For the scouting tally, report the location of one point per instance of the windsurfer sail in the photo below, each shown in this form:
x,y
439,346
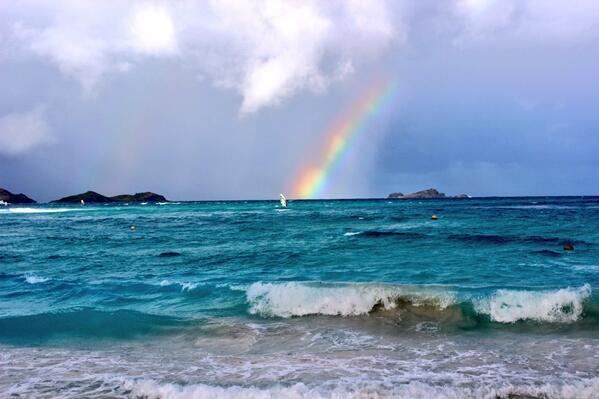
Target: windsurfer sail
x,y
283,200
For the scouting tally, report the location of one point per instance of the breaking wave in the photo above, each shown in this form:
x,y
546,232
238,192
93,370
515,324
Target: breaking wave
x,y
301,299
578,389
294,299
561,306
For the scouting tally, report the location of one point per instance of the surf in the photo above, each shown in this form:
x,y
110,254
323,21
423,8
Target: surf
x,y
503,306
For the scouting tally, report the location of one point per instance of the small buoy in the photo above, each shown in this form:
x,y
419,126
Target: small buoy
x,y
132,227
568,247
434,217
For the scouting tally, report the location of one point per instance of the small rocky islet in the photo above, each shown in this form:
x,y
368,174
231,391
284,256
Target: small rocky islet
x,y
430,193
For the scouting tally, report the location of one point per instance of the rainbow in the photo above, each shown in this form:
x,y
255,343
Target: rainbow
x,y
314,178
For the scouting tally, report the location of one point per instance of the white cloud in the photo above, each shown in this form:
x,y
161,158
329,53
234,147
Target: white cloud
x,y
270,50
88,39
265,50
153,30
532,21
20,132
83,58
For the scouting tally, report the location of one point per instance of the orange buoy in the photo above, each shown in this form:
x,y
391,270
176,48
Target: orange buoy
x,y
434,217
568,247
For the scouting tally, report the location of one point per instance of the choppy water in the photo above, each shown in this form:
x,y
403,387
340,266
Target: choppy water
x,y
324,299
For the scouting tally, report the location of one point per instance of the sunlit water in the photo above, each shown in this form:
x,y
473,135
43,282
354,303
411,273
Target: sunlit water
x,y
331,299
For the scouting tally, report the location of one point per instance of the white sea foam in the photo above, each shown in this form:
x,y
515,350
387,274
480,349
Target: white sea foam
x,y
233,287
584,389
560,306
300,299
185,286
38,210
33,279
352,233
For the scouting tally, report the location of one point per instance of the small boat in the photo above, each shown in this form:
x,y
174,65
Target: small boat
x,y
283,200
3,203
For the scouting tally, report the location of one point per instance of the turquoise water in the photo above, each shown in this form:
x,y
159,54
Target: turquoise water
x,y
321,299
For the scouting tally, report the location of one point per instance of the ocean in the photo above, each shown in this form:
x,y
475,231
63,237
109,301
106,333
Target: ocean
x,y
322,299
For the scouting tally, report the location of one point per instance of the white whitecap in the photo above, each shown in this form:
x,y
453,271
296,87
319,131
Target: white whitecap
x,y
185,286
33,279
188,286
38,210
559,306
299,298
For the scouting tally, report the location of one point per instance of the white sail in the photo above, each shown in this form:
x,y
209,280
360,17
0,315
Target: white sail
x,y
283,200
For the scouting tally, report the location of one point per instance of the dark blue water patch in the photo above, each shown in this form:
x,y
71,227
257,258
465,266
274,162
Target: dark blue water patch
x,y
14,294
10,258
483,238
5,276
388,233
169,254
510,239
548,253
85,323
397,218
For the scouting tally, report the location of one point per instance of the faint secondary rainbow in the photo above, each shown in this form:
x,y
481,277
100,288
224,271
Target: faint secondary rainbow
x,y
314,178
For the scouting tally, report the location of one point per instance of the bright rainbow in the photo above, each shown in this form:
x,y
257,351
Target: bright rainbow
x,y
313,179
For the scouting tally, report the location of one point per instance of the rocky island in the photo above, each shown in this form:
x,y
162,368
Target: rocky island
x,y
430,193
11,198
140,197
92,197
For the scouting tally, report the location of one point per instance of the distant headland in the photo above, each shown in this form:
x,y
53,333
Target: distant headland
x,y
92,197
424,194
8,197
89,197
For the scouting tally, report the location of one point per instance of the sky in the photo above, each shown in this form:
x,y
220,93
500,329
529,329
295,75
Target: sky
x,y
221,99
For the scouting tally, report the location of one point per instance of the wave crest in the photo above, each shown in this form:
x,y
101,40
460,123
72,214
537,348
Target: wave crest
x,y
291,299
33,279
301,299
561,306
185,286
